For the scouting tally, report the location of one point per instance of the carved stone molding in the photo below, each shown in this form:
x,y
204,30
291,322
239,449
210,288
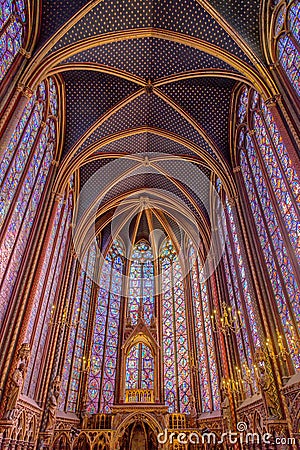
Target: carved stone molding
x,y
291,392
25,53
273,100
23,429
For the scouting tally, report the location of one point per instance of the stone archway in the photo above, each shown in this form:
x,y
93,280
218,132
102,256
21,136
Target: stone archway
x,y
137,431
82,443
138,437
62,443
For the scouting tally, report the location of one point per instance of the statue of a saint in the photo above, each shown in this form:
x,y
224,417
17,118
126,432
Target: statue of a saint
x,y
16,387
153,321
84,413
128,321
266,387
24,354
52,404
193,412
226,413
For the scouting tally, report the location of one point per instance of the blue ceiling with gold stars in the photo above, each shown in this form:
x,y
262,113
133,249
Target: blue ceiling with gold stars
x,y
186,17
150,76
89,95
149,58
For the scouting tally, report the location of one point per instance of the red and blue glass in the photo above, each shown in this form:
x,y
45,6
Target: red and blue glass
x,y
272,186
175,334
141,284
102,376
287,32
140,367
206,356
12,32
24,171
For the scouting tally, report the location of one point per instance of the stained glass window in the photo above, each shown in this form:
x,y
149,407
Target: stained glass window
x,y
287,33
273,189
102,376
13,28
243,280
140,368
77,362
240,298
206,357
46,294
175,336
141,290
24,171
243,103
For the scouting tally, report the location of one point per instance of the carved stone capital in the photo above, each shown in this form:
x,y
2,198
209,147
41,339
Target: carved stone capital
x,y
233,200
57,196
25,53
27,92
272,101
274,65
74,254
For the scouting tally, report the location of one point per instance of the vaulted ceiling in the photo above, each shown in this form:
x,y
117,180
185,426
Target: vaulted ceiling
x,y
147,77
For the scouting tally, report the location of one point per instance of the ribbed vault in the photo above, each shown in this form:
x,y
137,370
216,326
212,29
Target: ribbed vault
x,y
145,78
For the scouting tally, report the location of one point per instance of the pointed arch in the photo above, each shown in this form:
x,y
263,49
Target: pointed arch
x,y
141,283
285,43
177,372
105,341
26,171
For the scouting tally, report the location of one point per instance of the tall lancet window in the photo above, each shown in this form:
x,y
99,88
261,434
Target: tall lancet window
x,y
286,30
175,336
239,293
47,293
140,367
272,186
76,359
141,284
102,376
12,32
24,174
205,346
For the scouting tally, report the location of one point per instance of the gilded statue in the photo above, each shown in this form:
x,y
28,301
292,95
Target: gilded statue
x,y
17,381
84,413
266,386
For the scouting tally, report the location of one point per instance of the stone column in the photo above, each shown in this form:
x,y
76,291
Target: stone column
x,y
24,93
37,272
